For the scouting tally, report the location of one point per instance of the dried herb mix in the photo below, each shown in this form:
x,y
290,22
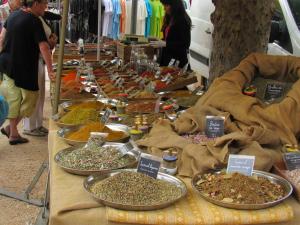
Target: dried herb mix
x,y
238,188
131,188
97,158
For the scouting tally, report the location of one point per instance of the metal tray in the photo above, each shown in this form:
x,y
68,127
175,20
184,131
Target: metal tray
x,y
91,180
57,158
63,132
271,177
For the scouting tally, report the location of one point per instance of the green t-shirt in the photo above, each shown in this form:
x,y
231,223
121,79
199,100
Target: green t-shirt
x,y
156,18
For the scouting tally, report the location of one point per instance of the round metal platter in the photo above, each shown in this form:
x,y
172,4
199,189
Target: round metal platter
x,y
271,177
95,178
58,159
64,132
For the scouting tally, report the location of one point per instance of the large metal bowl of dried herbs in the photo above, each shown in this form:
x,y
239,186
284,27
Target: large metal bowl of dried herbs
x,y
96,159
237,191
130,190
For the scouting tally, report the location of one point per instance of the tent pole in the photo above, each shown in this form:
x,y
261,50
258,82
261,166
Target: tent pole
x,y
60,55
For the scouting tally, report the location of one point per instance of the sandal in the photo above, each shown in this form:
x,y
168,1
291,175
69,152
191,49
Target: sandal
x,y
34,132
18,140
43,129
3,131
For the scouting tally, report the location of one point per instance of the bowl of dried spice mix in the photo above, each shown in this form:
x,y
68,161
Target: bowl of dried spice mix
x,y
76,117
79,135
96,159
237,191
129,190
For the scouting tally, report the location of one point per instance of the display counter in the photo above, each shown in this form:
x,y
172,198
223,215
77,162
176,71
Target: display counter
x,y
70,204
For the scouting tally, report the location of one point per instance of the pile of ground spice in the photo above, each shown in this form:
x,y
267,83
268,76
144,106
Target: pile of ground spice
x,y
83,133
238,188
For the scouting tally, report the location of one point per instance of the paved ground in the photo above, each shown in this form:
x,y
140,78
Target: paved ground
x,y
18,165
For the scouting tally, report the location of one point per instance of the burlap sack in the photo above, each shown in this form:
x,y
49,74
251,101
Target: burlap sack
x,y
251,127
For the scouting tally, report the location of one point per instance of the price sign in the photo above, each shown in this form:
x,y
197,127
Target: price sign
x,y
106,116
214,126
292,160
171,62
115,77
150,87
137,80
149,165
273,91
241,163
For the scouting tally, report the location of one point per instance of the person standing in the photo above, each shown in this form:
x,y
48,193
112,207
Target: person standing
x,y
176,30
33,125
6,9
21,41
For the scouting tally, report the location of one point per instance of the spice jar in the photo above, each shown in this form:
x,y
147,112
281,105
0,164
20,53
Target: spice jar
x,y
121,107
136,134
169,165
137,121
144,126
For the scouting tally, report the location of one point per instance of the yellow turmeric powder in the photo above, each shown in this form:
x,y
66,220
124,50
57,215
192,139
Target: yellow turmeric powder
x,y
83,133
80,116
90,104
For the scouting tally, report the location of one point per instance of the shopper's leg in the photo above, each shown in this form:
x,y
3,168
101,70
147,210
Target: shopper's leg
x,y
41,101
13,96
30,124
28,104
13,128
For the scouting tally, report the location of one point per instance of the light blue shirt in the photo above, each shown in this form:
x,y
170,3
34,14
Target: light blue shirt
x,y
148,19
116,19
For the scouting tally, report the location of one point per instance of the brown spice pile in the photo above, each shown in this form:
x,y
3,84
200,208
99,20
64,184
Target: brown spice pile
x,y
238,188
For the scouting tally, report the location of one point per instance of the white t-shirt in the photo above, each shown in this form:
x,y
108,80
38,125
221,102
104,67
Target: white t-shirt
x,y
141,17
107,17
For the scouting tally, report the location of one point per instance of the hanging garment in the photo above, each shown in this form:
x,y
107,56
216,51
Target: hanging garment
x,y
93,17
107,17
128,16
156,18
148,19
123,16
116,19
141,17
78,25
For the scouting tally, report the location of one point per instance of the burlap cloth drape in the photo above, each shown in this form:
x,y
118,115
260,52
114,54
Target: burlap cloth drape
x,y
251,127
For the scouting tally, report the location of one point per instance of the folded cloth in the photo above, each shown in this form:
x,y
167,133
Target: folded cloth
x,y
194,210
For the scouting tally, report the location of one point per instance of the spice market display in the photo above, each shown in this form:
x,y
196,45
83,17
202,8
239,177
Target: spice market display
x,y
153,112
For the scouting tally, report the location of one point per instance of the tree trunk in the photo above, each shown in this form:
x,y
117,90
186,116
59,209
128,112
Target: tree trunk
x,y
240,27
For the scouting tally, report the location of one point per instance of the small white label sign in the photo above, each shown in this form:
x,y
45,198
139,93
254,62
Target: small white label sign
x,y
241,163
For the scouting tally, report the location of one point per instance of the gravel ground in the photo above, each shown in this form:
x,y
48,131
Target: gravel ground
x,y
18,166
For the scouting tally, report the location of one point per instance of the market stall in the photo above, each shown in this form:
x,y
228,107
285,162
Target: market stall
x,y
71,204
200,147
